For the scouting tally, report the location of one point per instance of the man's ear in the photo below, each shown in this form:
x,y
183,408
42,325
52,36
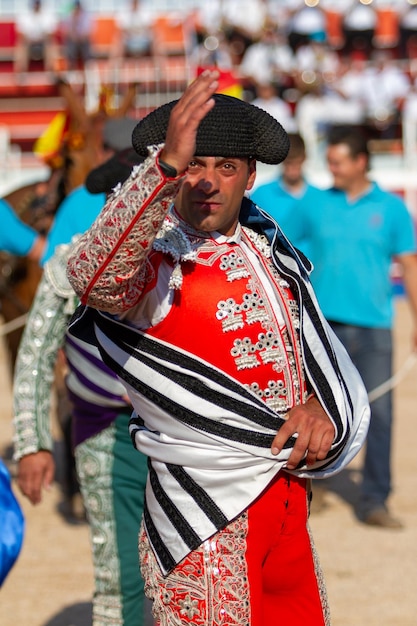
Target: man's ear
x,y
252,174
363,161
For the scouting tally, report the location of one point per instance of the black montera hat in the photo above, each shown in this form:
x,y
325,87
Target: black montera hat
x,y
232,128
105,177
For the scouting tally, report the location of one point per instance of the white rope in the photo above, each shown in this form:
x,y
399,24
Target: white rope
x,y
394,380
9,327
373,395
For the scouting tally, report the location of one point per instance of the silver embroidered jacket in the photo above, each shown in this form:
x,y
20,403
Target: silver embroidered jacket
x,y
44,334
93,388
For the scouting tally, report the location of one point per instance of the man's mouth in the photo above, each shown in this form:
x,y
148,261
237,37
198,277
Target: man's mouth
x,y
207,205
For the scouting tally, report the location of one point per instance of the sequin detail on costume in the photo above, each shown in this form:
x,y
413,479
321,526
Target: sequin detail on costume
x,y
259,241
171,240
94,465
272,347
208,588
274,396
234,266
320,581
229,313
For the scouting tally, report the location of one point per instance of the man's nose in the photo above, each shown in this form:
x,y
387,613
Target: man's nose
x,y
208,180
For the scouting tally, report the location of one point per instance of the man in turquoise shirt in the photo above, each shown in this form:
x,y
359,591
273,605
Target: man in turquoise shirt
x,y
353,232
16,237
279,196
75,214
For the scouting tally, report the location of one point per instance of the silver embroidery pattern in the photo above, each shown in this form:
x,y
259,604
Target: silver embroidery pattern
x,y
94,466
254,306
274,395
229,313
273,346
208,588
260,242
173,241
243,352
129,221
271,351
320,581
34,372
234,266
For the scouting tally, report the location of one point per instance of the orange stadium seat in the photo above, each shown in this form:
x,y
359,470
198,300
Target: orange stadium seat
x,y
170,36
334,30
104,36
387,31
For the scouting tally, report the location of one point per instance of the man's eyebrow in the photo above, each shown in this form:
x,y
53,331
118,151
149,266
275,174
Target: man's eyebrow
x,y
220,159
229,158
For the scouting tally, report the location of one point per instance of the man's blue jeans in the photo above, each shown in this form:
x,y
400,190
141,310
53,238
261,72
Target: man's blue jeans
x,y
371,351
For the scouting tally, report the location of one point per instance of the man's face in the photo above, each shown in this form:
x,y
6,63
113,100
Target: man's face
x,y
210,196
292,170
345,168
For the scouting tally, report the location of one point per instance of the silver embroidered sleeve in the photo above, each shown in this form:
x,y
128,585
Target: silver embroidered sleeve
x,y
108,268
34,373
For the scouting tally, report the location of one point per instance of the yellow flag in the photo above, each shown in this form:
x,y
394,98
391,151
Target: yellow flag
x,y
49,144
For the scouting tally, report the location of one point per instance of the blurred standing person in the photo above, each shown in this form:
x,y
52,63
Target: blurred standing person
x,y
359,28
352,85
135,30
380,88
76,31
243,21
74,215
279,197
268,60
35,30
267,98
354,231
209,18
112,475
306,23
386,87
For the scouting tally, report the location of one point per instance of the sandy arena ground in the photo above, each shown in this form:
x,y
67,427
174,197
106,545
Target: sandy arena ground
x,y
371,573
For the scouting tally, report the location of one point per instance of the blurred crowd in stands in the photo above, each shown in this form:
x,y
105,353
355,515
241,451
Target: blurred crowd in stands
x,y
312,63
307,62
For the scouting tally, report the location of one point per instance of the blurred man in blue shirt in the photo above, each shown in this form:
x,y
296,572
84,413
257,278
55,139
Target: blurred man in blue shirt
x,y
280,196
353,232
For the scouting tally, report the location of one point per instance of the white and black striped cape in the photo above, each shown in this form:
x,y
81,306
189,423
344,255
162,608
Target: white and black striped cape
x,y
208,438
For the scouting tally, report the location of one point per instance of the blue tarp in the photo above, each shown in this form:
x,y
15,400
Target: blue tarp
x,y
12,524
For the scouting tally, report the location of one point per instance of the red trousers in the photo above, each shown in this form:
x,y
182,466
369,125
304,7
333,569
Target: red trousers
x,y
261,570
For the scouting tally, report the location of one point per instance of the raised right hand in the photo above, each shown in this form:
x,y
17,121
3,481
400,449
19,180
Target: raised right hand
x,y
185,119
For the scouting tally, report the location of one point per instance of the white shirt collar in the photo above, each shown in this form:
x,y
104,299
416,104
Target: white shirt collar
x,y
235,238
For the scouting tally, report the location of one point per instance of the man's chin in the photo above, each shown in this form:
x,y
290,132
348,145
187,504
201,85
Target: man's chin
x,y
204,225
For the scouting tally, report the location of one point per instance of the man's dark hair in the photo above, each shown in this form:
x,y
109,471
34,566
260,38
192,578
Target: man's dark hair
x,y
350,136
297,146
